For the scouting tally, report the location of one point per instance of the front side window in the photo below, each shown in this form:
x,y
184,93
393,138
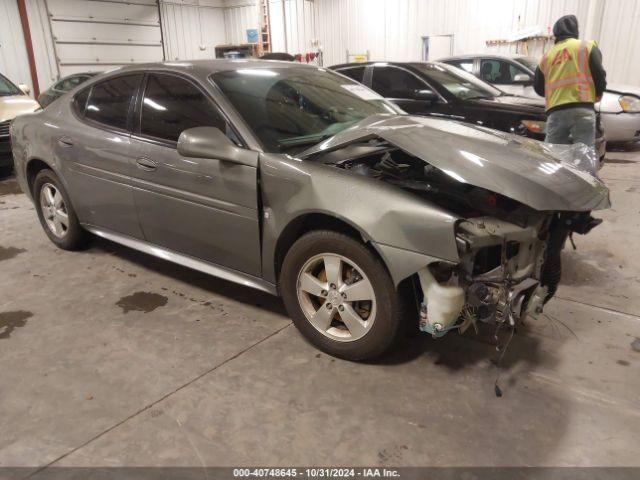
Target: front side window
x,y
498,71
391,82
294,107
172,105
110,100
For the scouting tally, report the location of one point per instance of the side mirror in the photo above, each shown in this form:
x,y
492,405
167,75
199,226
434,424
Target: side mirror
x,y
522,79
210,142
425,95
25,88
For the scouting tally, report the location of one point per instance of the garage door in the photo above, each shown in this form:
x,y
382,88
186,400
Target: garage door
x,y
97,35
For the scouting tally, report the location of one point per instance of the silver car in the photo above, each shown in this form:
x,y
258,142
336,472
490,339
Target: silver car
x,y
619,108
298,181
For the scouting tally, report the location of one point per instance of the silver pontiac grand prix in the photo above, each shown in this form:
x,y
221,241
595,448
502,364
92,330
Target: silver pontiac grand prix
x,y
298,181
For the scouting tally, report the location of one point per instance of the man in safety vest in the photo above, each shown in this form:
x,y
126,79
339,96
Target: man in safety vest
x,y
571,78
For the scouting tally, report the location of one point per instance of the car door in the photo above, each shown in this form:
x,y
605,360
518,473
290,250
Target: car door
x,y
94,147
204,208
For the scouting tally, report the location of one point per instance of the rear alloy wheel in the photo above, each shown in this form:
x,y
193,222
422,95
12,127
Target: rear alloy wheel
x,y
56,213
340,296
54,210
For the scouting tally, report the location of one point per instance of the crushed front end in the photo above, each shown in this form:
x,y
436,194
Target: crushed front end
x,y
506,272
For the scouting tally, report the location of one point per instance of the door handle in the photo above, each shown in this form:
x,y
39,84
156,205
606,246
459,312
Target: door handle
x,y
65,142
146,164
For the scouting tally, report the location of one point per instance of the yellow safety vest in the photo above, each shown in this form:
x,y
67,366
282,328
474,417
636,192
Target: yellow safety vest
x,y
567,75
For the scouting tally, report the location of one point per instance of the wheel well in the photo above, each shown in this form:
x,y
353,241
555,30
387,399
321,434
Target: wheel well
x,y
34,167
308,223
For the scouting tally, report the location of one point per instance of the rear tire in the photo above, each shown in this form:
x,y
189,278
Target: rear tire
x,y
56,213
340,296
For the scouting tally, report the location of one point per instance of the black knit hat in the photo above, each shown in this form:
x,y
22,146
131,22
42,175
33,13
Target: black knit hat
x,y
566,27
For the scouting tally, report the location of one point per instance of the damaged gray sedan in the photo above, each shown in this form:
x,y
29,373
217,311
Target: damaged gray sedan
x,y
300,182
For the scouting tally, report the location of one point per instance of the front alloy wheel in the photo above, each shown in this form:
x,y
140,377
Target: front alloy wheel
x,y
336,297
340,295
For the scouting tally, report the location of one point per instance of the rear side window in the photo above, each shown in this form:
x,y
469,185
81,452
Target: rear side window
x,y
80,101
356,73
109,101
172,104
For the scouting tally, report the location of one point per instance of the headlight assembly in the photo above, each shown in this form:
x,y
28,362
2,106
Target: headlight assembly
x,y
629,103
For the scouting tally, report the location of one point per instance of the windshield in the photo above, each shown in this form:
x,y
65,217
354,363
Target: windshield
x,y
529,62
7,88
457,82
292,108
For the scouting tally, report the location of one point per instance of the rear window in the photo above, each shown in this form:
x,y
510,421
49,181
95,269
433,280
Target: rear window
x,y
109,101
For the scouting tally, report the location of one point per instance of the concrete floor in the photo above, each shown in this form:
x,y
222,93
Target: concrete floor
x,y
109,357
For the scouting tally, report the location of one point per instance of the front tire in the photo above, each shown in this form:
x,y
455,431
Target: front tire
x,y
56,214
340,296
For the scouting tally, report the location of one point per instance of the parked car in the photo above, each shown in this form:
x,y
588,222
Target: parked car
x,y
298,181
63,86
438,89
619,108
14,101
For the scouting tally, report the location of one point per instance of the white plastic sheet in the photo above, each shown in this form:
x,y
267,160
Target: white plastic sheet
x,y
578,155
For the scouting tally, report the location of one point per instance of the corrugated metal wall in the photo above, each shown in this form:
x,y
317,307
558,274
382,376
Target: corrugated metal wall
x,y
620,41
238,19
191,31
389,29
13,54
393,29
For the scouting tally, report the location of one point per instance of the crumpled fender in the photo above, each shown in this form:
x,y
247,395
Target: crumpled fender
x,y
408,232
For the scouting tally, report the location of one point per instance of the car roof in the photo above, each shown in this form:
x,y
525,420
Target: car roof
x,y
397,64
207,67
483,55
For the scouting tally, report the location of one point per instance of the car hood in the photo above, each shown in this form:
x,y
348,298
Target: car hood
x,y
513,166
624,89
14,105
